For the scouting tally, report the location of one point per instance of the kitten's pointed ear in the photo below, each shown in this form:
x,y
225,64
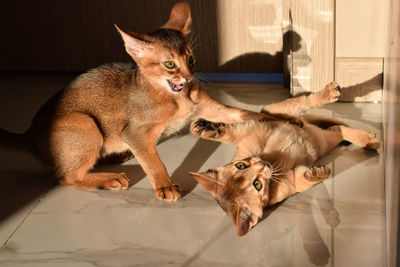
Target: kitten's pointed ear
x,y
207,179
135,45
245,220
180,18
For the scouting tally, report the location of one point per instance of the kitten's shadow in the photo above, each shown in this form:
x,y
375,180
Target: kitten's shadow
x,y
135,173
193,161
317,251
315,247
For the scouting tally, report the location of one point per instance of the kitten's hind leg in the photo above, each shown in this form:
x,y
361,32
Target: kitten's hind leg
x,y
299,105
75,144
361,138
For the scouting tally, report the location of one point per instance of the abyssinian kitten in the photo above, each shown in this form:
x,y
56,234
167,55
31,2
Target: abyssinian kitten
x,y
274,160
119,111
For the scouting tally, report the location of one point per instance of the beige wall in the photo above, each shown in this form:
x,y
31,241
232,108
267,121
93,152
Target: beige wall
x,y
392,130
342,40
74,35
249,35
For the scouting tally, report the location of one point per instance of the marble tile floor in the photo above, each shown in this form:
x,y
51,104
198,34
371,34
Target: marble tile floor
x,y
340,222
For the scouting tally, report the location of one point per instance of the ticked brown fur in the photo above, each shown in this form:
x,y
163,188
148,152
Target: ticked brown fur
x,y
119,111
278,157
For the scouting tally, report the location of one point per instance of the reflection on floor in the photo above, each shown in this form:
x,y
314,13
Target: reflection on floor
x,y
340,222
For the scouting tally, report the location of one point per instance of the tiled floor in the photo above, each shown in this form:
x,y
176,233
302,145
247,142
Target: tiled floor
x,y
340,222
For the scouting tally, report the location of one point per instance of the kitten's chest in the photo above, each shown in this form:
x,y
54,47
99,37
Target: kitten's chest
x,y
172,112
292,142
183,111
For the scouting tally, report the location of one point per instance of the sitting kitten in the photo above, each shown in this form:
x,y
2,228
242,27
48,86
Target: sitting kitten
x,y
274,160
117,111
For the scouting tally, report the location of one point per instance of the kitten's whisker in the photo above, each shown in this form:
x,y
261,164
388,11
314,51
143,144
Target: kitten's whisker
x,y
199,79
284,182
277,170
280,174
281,164
279,167
193,41
280,171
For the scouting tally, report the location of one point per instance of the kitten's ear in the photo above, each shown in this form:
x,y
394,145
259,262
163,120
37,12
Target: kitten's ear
x,y
180,18
135,45
245,220
207,179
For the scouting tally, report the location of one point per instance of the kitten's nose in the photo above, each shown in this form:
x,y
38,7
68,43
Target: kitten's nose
x,y
264,168
267,171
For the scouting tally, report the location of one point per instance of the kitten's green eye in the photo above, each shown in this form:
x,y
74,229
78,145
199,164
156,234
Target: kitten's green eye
x,y
257,184
169,64
241,165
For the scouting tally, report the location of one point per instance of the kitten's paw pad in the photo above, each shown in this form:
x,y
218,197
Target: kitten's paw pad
x,y
116,181
207,129
330,93
169,193
317,173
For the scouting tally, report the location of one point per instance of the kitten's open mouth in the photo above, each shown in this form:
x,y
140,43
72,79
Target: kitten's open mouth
x,y
175,87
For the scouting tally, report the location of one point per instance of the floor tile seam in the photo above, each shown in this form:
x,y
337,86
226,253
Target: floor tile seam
x,y
24,219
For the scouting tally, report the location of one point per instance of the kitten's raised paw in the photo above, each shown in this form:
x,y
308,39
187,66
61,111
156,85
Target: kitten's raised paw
x,y
317,173
169,193
330,93
207,129
116,181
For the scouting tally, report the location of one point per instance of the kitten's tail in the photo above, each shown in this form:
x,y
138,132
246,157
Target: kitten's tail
x,y
13,141
322,122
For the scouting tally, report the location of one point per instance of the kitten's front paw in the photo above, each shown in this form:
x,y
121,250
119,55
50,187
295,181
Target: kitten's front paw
x,y
169,193
207,129
116,181
317,173
330,93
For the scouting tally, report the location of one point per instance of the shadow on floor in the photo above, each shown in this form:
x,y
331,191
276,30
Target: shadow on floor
x,y
19,188
193,161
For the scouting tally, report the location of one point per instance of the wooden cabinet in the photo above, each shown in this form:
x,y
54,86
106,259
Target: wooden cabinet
x,y
360,47
340,40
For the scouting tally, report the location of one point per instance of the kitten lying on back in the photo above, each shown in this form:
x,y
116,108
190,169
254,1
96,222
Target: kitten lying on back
x,y
273,160
116,111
